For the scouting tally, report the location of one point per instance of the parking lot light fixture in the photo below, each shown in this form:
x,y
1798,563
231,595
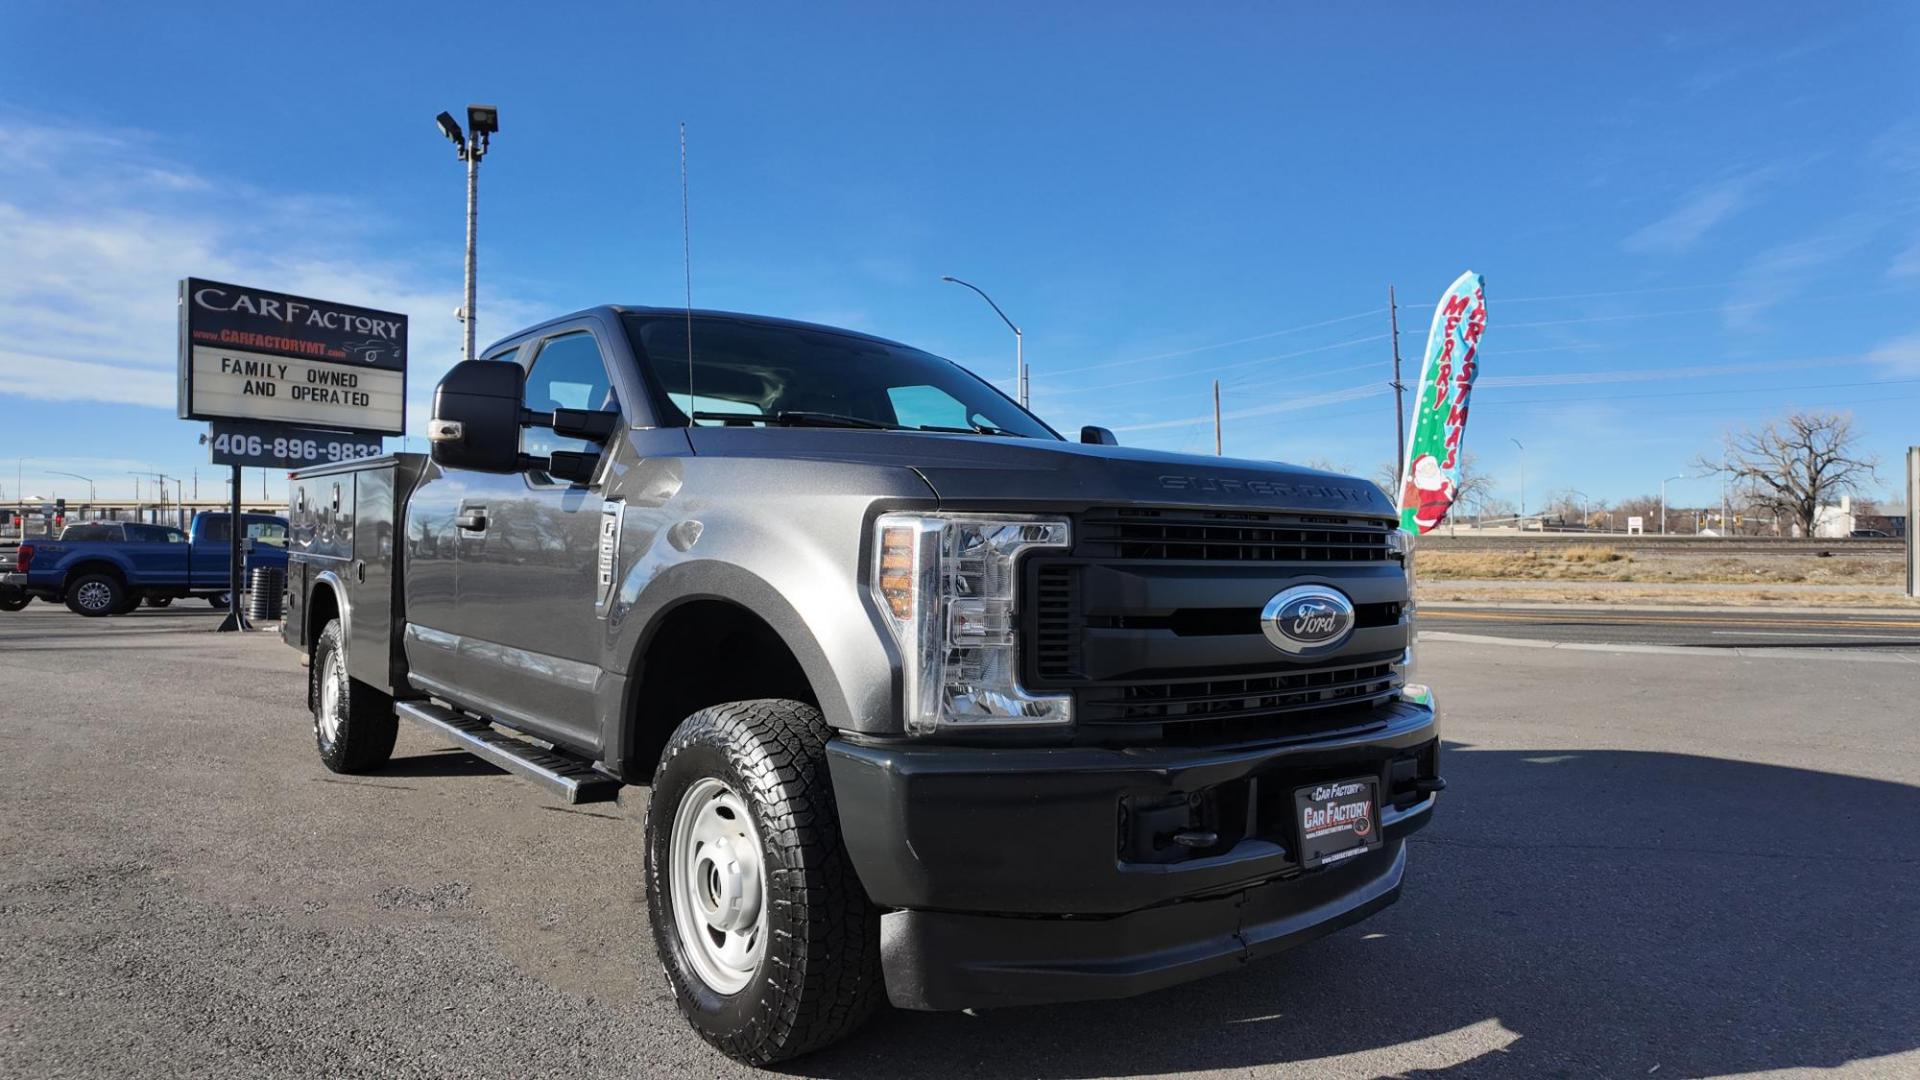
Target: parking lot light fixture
x,y
1663,500
482,122
1019,358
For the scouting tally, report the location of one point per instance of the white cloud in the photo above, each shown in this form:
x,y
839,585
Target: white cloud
x,y
1899,357
97,228
1698,214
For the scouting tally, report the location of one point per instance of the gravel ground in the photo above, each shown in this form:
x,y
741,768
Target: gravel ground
x,y
1647,864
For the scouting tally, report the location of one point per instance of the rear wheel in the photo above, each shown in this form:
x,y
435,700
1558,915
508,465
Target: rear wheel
x,y
758,918
94,595
14,601
353,724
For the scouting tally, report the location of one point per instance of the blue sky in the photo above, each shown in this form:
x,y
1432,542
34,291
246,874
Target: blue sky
x,y
1689,216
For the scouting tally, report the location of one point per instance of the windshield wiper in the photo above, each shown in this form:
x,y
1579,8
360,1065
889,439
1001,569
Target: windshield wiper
x,y
974,429
797,418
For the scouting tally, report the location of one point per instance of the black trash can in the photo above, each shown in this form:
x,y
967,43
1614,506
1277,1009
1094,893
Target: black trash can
x,y
264,596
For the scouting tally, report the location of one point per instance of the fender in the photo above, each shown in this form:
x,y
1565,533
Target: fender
x,y
636,619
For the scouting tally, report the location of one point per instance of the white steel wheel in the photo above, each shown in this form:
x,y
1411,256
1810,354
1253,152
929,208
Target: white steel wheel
x,y
332,677
715,873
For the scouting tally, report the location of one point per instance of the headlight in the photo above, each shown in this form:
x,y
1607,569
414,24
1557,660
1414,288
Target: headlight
x,y
946,586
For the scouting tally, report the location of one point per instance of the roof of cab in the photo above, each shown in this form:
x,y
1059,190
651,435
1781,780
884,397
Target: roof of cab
x,y
614,311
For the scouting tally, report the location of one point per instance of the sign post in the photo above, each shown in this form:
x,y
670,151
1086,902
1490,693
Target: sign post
x,y
287,381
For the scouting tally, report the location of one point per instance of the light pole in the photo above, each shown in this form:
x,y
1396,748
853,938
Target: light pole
x,y
1019,357
77,476
482,122
1663,500
1523,480
1586,507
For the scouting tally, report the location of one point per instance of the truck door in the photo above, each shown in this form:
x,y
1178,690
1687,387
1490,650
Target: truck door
x,y
527,578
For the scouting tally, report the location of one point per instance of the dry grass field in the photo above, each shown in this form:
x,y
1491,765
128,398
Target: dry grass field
x,y
1595,562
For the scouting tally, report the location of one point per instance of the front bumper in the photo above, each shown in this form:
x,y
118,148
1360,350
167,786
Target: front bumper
x,y
1024,875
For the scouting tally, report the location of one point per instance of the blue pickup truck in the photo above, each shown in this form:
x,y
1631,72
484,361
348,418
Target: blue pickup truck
x,y
108,568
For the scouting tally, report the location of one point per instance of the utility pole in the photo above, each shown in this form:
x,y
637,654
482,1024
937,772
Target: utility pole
x,y
1399,398
1216,418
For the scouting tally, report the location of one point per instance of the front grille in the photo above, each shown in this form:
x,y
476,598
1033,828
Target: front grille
x,y
1230,536
1242,698
1056,606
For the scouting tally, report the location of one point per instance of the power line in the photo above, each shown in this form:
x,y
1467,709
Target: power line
x,y
1222,344
1224,367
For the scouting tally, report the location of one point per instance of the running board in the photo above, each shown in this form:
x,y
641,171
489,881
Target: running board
x,y
567,777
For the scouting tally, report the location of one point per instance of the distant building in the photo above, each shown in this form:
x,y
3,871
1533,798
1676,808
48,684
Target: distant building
x,y
1834,522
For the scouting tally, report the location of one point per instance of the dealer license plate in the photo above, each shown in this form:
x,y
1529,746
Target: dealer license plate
x,y
1338,820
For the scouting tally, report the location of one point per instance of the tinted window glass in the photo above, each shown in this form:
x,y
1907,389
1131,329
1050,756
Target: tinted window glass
x,y
151,534
91,532
210,529
266,532
755,368
568,373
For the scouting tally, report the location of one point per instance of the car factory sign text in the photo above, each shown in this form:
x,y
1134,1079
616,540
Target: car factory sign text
x,y
251,354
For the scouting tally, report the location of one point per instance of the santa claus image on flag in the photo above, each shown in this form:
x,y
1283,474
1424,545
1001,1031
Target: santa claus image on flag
x,y
1427,492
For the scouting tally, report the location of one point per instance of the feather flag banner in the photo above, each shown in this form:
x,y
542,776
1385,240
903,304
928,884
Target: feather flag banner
x,y
1430,476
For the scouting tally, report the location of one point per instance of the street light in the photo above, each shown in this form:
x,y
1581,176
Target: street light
x,y
482,122
76,476
1019,357
1523,480
1663,500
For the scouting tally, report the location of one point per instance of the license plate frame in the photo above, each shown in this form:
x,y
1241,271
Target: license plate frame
x,y
1337,820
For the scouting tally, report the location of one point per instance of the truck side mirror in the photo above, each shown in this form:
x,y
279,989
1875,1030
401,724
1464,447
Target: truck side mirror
x,y
1098,436
476,417
589,424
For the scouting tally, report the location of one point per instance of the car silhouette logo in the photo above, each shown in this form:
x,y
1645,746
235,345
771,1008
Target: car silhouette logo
x,y
1308,620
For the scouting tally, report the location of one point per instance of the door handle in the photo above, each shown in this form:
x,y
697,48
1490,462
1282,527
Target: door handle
x,y
472,519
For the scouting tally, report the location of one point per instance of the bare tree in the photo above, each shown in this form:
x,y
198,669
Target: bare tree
x,y
1792,465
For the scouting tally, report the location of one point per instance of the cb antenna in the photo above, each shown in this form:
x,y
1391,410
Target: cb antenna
x,y
686,257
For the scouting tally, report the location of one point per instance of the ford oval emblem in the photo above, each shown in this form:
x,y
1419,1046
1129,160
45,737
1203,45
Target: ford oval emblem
x,y
1308,620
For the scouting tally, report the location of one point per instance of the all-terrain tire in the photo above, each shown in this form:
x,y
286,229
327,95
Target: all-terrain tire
x,y
819,974
353,724
94,595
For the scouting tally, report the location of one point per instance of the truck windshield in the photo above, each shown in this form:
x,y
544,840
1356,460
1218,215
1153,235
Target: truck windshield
x,y
762,374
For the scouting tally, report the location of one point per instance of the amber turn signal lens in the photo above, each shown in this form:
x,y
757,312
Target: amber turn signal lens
x,y
896,570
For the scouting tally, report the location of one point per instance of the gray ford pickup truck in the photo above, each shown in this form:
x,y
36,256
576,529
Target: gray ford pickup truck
x,y
928,702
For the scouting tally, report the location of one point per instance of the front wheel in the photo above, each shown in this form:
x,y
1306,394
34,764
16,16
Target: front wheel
x,y
220,602
94,595
764,930
157,601
354,725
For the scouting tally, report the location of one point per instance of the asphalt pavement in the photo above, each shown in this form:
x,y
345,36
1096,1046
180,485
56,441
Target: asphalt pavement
x,y
1647,864
1722,628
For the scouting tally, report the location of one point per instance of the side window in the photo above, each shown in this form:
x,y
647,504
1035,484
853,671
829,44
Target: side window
x,y
926,406
267,532
212,530
568,373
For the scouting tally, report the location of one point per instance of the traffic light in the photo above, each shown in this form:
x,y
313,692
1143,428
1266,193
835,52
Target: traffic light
x,y
60,507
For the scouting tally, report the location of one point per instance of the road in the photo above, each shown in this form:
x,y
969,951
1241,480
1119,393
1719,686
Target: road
x,y
1720,628
1647,864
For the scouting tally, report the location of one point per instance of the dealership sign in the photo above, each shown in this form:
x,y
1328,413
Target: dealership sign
x,y
251,354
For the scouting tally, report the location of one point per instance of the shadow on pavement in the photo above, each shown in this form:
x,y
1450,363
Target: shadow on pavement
x,y
449,762
1568,913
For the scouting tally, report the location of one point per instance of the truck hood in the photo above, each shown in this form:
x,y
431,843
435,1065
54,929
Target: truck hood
x,y
993,470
